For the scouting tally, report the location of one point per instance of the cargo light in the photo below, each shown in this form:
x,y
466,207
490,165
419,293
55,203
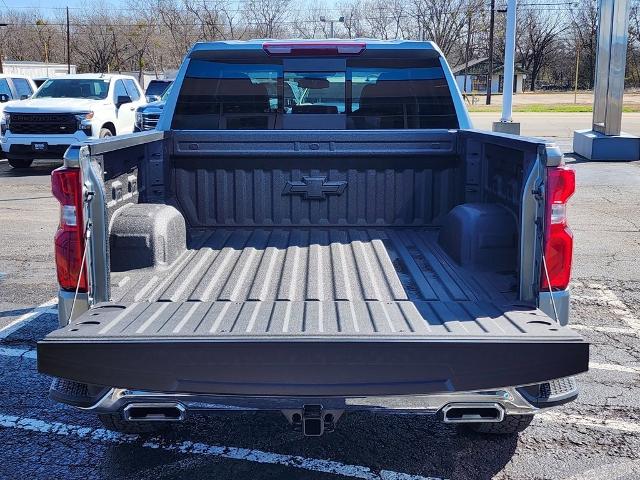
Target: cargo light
x,y
314,48
558,239
69,239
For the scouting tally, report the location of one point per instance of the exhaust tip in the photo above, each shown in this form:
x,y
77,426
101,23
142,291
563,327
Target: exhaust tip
x,y
154,412
473,413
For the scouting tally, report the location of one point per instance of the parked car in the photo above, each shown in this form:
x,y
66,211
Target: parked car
x,y
345,242
156,89
66,110
147,116
14,88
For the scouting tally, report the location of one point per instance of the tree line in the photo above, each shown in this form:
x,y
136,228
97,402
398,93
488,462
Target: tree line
x,y
553,37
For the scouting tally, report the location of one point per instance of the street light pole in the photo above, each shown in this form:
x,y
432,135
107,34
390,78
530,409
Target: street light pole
x,y
331,22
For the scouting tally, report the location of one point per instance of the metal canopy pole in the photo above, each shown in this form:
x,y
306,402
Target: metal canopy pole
x,y
506,123
613,24
509,59
605,141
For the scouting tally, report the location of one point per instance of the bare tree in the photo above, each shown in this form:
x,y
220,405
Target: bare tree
x,y
441,21
266,17
353,13
537,34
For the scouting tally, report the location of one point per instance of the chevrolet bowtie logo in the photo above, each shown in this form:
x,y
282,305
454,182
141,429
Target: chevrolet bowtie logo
x,y
314,188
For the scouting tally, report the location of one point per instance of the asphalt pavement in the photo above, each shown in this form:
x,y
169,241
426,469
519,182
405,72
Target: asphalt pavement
x,y
598,436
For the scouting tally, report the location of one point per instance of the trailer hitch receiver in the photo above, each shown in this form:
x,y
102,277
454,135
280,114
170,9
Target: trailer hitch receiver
x,y
313,420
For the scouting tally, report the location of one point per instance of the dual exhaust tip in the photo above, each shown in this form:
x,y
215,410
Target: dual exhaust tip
x,y
451,413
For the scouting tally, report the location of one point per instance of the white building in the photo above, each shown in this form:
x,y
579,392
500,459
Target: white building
x,y
35,69
477,77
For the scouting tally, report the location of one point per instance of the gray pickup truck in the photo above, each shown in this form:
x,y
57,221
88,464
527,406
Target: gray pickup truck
x,y
314,229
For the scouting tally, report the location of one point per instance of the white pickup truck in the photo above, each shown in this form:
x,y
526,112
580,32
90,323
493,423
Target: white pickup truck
x,y
67,110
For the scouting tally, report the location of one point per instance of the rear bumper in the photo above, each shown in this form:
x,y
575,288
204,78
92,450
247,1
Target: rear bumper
x,y
511,399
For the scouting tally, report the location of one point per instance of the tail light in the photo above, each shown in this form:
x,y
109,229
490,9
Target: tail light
x,y
558,239
310,48
69,239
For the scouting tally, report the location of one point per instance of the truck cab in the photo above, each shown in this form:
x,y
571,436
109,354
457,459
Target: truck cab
x,y
66,110
314,228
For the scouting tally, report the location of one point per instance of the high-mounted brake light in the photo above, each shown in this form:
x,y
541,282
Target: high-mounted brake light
x,y
314,48
558,239
69,239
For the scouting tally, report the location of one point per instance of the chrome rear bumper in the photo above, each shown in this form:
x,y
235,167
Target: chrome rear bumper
x,y
116,399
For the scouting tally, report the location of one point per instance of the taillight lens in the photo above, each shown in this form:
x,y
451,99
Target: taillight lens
x,y
69,239
558,239
314,48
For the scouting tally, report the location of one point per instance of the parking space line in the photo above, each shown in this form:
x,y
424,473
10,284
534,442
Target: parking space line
x,y
28,317
627,469
619,308
614,368
18,352
586,421
197,448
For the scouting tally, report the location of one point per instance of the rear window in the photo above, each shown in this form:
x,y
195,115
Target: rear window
x,y
157,87
363,94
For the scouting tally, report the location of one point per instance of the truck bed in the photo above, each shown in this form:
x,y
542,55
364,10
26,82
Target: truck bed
x,y
318,311
314,264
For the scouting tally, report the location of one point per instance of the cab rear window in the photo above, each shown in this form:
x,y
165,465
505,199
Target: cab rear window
x,y
364,94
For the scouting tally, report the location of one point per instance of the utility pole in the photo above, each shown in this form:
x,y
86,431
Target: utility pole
x,y
491,27
575,85
466,54
68,44
1,51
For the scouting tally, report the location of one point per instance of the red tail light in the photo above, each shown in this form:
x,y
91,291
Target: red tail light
x,y
69,239
558,239
314,48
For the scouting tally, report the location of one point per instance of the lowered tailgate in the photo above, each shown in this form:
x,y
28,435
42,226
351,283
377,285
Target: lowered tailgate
x,y
312,348
336,312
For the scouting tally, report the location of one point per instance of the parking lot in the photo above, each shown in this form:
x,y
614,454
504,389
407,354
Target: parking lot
x,y
598,436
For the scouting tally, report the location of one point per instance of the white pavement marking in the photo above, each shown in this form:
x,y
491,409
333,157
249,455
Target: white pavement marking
x,y
586,421
614,368
196,448
17,352
610,471
619,308
617,330
28,317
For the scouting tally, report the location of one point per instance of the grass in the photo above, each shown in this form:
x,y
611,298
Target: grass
x,y
547,108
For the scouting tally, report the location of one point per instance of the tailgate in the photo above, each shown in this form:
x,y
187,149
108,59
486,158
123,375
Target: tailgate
x,y
316,348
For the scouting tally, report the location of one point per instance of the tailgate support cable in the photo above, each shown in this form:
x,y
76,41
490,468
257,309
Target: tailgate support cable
x,y
553,302
87,235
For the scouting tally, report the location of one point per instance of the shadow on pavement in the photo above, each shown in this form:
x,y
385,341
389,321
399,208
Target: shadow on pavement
x,y
414,445
37,169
